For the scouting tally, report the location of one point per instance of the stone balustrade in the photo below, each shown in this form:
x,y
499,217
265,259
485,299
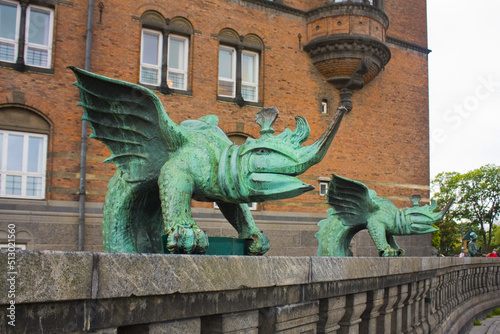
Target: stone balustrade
x,y
75,292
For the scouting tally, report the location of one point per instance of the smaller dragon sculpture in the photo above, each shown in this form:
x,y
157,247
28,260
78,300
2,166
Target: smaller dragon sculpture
x,y
354,207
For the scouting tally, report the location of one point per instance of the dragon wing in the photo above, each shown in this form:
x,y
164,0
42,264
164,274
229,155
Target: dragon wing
x,y
350,200
131,121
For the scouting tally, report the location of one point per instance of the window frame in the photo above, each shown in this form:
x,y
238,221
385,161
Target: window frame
x,y
255,84
239,84
28,44
24,173
322,184
158,66
163,56
184,70
15,41
232,80
22,34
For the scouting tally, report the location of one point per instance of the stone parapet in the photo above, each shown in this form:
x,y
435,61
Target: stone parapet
x,y
72,292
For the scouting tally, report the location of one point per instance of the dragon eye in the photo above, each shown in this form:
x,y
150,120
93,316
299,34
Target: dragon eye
x,y
262,151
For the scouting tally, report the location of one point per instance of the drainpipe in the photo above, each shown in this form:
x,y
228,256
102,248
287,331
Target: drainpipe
x,y
83,158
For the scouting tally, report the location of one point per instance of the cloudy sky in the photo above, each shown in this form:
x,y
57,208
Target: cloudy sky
x,y
464,82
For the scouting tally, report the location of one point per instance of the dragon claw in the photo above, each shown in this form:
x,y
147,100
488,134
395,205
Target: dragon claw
x,y
391,252
260,244
186,240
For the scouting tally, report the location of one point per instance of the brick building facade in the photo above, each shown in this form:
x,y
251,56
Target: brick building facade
x,y
189,52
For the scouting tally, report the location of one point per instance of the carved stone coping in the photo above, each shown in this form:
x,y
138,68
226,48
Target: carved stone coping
x,y
347,45
44,276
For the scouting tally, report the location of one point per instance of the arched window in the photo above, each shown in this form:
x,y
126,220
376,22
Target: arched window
x,y
239,67
23,153
165,47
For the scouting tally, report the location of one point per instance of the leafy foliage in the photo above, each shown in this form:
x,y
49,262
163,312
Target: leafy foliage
x,y
477,204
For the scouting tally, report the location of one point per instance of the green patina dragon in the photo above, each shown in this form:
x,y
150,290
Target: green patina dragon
x,y
163,165
354,207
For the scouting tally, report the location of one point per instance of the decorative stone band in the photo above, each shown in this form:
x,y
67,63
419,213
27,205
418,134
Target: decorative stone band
x,y
402,224
353,8
345,45
232,186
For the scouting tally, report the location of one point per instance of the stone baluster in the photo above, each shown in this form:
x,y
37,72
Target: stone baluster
x,y
425,307
384,321
432,302
440,299
407,311
475,282
397,326
331,311
417,305
484,280
447,294
374,301
294,318
496,278
490,279
355,305
466,284
460,286
241,322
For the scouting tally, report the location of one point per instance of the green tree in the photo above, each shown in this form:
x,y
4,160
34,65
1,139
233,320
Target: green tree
x,y
477,199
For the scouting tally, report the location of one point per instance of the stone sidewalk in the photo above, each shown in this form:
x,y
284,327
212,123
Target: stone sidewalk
x,y
488,326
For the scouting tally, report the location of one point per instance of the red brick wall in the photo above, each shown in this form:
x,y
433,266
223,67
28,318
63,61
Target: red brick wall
x,y
383,141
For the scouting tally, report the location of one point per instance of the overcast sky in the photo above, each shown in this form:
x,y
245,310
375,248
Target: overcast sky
x,y
464,84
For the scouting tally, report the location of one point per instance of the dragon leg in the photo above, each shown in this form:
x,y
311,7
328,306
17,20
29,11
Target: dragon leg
x,y
377,230
392,242
334,238
131,217
183,235
240,217
117,230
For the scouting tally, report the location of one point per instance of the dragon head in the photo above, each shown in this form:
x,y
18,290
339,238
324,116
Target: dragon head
x,y
266,168
419,219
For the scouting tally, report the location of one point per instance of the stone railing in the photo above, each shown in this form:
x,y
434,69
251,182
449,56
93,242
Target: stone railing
x,y
73,292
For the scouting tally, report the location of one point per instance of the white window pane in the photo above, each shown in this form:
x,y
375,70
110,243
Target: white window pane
x,y
33,186
35,152
226,63
150,48
176,54
39,27
248,68
226,88
13,185
8,20
248,93
37,57
15,153
149,76
175,80
7,51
